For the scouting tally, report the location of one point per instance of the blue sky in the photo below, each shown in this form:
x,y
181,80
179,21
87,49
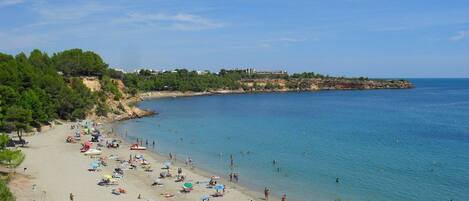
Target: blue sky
x,y
375,38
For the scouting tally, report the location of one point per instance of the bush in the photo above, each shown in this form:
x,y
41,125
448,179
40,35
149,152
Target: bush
x,y
102,110
5,194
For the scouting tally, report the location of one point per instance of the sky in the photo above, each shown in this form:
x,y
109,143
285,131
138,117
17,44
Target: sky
x,y
373,38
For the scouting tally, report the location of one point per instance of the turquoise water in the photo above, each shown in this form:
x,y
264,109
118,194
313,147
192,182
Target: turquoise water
x,y
388,145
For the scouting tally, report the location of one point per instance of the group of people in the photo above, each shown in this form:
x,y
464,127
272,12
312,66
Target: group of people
x,y
267,193
234,176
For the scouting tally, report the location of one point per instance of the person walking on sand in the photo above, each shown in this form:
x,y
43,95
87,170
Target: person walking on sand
x,y
284,197
266,193
170,156
71,197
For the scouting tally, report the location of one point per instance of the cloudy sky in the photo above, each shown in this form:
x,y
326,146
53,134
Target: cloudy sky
x,y
375,38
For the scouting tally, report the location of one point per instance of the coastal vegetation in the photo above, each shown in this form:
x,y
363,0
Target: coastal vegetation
x,y
5,194
178,80
10,159
36,89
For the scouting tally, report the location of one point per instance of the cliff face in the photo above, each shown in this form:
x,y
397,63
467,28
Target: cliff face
x,y
120,109
315,84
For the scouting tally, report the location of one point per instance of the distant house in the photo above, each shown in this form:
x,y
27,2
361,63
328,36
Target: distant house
x,y
202,72
146,70
120,70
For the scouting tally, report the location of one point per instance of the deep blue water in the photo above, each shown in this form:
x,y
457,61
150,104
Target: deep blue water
x,y
384,145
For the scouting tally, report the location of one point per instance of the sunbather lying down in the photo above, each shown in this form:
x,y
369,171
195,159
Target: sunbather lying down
x,y
157,182
218,194
167,195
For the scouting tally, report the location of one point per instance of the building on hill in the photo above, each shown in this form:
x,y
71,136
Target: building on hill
x,y
276,72
248,71
202,72
253,71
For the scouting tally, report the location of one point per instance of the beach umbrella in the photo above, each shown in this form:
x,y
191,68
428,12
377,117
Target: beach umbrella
x,y
167,163
204,197
219,187
94,165
187,185
106,176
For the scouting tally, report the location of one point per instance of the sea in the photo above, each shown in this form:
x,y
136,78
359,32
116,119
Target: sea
x,y
354,145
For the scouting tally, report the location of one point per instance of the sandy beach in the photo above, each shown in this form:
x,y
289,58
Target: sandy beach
x,y
54,169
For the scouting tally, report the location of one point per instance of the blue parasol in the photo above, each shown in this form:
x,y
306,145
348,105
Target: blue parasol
x,y
219,187
94,165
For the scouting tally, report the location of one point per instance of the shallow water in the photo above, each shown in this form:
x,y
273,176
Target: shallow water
x,y
388,145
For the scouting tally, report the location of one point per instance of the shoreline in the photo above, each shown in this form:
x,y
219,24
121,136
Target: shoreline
x,y
176,94
196,170
55,168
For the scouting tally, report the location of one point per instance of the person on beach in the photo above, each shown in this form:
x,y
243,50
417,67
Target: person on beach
x,y
71,197
266,193
179,170
284,197
337,180
231,177
236,177
274,162
231,161
146,143
189,161
153,144
170,156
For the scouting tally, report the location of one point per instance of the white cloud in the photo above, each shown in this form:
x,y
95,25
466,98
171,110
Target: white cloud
x,y
461,35
65,13
4,3
181,21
